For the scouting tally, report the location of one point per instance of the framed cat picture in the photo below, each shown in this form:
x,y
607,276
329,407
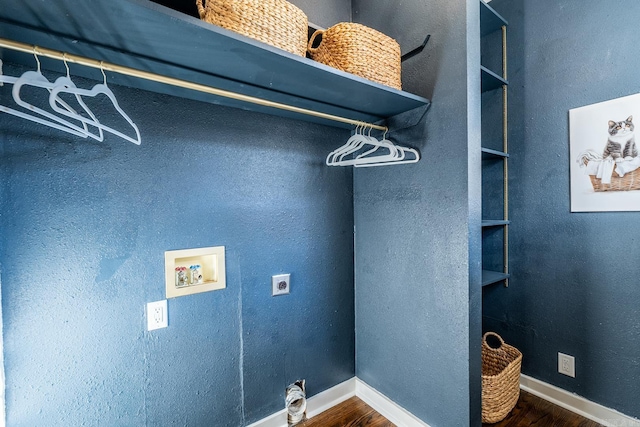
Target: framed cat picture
x,y
605,166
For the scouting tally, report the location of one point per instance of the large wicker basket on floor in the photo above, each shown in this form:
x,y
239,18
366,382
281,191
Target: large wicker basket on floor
x,y
359,50
275,22
500,379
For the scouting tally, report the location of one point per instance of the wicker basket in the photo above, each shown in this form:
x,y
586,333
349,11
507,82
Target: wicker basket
x,y
275,22
359,50
500,379
630,181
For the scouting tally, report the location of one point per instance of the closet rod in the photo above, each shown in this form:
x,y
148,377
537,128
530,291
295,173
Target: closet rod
x,y
87,62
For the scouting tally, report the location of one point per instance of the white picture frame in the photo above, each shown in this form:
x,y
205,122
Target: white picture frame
x,y
589,132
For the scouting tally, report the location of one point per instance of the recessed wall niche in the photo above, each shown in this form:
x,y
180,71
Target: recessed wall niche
x,y
191,271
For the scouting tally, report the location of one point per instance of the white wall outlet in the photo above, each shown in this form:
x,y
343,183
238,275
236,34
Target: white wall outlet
x,y
567,365
157,315
280,284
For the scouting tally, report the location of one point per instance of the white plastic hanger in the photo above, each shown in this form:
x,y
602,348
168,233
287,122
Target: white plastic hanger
x,y
353,140
37,79
36,119
365,160
392,154
356,142
395,154
372,161
98,89
364,140
54,99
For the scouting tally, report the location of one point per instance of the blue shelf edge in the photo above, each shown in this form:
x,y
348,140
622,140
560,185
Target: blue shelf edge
x,y
490,80
495,222
495,153
490,277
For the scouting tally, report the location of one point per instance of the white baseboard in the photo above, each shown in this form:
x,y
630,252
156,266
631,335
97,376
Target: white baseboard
x,y
579,405
330,398
403,418
341,392
386,407
315,404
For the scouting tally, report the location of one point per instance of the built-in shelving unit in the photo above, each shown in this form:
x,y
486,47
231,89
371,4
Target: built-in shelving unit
x,y
146,36
491,22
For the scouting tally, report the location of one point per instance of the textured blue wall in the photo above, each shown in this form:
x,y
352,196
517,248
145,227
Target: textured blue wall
x,y
84,230
418,226
325,13
575,276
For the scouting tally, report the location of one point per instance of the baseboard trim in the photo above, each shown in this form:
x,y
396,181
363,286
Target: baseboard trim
x,y
577,404
387,407
315,404
341,392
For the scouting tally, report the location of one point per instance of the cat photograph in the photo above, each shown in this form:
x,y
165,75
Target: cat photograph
x,y
621,142
605,167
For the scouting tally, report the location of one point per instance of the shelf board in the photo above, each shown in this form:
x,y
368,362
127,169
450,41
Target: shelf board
x,y
494,222
490,80
147,36
490,277
490,20
494,153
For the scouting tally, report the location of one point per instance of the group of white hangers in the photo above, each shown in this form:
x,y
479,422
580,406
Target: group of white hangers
x,y
60,121
363,151
360,150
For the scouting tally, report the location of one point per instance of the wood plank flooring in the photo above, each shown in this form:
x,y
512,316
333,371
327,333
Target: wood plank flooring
x,y
350,413
529,411
533,411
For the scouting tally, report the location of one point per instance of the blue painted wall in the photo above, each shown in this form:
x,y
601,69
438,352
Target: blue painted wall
x,y
325,13
575,276
84,229
418,226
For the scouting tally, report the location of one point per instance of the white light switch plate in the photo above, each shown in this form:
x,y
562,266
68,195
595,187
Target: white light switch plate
x,y
157,315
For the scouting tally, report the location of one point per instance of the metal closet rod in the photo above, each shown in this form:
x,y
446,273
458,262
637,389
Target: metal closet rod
x,y
87,62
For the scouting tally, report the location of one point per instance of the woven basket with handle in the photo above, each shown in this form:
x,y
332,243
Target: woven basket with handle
x,y
275,22
500,379
359,50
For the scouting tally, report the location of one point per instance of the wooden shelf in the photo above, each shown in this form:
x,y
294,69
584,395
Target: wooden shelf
x,y
147,36
494,222
490,80
490,277
490,20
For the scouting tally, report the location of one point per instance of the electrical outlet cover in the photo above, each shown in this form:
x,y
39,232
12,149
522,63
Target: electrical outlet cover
x,y
567,365
280,284
157,315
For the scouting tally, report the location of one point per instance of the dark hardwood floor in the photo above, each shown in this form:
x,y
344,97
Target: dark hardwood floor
x,y
533,411
529,411
350,413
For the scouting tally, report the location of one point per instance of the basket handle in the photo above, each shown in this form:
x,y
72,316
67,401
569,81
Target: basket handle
x,y
493,334
310,47
201,10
